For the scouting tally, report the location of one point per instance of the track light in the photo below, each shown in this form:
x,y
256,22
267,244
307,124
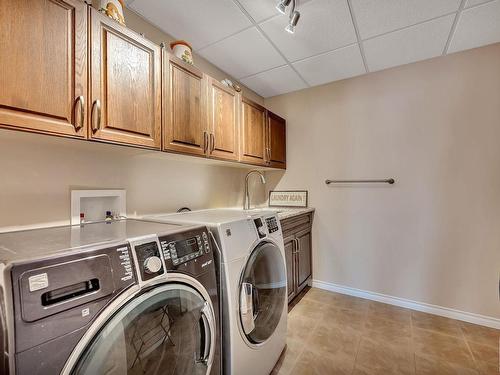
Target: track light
x,y
294,14
281,6
294,18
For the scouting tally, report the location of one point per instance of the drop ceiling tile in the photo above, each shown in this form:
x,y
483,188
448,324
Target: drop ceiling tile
x,y
324,25
375,17
477,27
243,54
471,3
200,22
274,82
415,43
331,66
260,10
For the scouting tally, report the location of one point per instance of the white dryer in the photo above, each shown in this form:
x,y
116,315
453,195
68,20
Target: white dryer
x,y
253,285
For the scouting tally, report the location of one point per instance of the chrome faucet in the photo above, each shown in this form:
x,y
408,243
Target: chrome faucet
x,y
246,200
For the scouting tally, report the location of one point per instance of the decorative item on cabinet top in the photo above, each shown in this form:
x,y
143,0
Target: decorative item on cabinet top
x,y
112,8
227,82
182,50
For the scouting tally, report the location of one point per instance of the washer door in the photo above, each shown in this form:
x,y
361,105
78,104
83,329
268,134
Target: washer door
x,y
166,330
262,292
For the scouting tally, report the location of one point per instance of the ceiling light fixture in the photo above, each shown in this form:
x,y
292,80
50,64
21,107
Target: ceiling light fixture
x,y
294,14
281,6
294,19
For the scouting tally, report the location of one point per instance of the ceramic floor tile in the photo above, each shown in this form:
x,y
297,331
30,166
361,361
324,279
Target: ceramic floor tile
x,y
343,301
435,366
334,339
389,312
289,357
436,323
353,319
331,333
321,296
374,358
308,308
486,368
446,348
485,353
300,326
480,334
313,363
383,330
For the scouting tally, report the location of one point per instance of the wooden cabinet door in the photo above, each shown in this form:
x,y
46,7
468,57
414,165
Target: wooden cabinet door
x,y
290,266
304,269
185,108
43,66
224,104
253,124
276,140
125,85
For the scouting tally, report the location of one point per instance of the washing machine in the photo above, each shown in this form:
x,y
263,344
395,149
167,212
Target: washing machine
x,y
124,297
252,278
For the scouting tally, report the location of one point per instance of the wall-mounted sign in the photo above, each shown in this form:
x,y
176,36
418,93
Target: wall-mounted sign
x,y
289,198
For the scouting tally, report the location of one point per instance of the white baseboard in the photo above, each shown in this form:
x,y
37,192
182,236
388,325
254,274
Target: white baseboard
x,y
409,304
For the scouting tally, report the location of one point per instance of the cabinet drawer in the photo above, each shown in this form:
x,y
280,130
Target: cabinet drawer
x,y
297,223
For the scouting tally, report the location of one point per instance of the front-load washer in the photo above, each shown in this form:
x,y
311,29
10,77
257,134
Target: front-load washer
x,y
253,285
125,297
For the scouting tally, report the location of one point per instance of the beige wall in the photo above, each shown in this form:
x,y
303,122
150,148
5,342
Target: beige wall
x,y
434,126
140,25
37,173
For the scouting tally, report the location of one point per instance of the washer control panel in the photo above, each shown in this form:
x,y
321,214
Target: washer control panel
x,y
272,224
186,249
148,258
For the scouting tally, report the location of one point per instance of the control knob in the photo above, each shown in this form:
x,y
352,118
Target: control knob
x,y
152,264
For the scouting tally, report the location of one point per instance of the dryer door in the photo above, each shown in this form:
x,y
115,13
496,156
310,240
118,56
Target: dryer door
x,y
169,329
262,292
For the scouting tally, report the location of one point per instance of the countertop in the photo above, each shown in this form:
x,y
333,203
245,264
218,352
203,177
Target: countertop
x,y
287,212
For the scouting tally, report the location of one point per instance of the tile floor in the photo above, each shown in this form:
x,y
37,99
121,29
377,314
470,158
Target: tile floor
x,y
330,333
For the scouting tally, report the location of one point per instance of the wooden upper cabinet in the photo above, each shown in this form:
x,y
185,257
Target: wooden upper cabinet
x,y
125,105
253,127
184,110
43,66
276,141
224,104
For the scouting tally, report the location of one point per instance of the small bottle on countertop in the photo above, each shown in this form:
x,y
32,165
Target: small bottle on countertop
x,y
82,218
109,216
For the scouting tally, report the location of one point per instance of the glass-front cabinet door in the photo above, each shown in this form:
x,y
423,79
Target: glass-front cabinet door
x,y
166,330
262,292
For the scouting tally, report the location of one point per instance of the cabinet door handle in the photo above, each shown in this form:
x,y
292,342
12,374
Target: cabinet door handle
x,y
298,245
205,142
80,102
212,139
96,121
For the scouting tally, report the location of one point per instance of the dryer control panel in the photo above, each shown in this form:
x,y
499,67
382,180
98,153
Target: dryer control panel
x,y
185,249
272,224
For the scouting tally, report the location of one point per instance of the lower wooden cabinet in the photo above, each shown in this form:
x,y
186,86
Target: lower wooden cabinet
x,y
297,239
